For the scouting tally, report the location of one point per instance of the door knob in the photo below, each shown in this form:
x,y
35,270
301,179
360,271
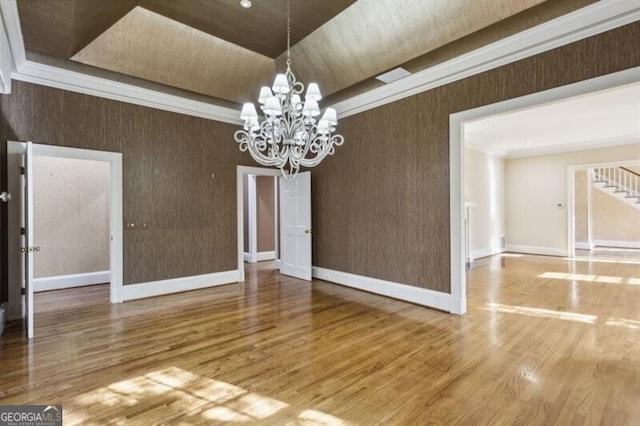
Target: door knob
x,y
307,231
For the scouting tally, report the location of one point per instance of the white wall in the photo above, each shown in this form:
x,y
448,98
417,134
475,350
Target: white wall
x,y
581,207
484,187
71,216
535,185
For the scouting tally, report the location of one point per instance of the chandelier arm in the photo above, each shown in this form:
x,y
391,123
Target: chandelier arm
x,y
328,149
248,143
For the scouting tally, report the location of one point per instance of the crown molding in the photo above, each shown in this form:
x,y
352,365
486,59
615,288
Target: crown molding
x,y
573,147
498,153
47,75
11,19
506,154
6,61
591,20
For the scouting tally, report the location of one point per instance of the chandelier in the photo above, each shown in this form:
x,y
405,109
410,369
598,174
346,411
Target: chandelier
x,y
289,136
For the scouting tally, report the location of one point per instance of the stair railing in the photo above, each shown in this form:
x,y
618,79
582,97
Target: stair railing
x,y
622,179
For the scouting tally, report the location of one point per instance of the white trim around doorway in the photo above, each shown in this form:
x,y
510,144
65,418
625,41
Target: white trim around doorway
x,y
572,245
240,172
115,205
456,161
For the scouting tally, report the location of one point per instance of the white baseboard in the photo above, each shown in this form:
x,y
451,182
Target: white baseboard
x,y
488,251
544,251
266,255
584,245
277,264
408,293
177,285
259,256
617,244
69,281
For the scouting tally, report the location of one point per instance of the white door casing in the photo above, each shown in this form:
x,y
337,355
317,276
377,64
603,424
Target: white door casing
x,y
29,238
18,308
295,226
21,246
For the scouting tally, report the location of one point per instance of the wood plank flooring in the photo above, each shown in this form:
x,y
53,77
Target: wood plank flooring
x,y
545,341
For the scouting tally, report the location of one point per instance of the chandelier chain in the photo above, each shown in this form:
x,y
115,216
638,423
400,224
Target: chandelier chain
x,y
288,35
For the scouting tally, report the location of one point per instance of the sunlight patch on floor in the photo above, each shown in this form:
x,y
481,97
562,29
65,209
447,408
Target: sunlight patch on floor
x,y
541,313
581,277
192,395
623,322
318,418
591,259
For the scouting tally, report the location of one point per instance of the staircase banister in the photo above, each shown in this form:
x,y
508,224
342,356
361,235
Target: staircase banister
x,y
630,171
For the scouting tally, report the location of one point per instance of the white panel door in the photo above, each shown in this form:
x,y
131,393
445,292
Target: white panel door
x,y
295,226
21,244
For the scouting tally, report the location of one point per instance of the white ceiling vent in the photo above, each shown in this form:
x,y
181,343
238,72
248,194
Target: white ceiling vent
x,y
393,75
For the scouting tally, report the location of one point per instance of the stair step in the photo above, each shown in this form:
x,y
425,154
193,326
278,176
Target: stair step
x,y
599,181
620,192
610,186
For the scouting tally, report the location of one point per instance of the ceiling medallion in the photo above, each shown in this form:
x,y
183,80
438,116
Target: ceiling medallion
x,y
288,136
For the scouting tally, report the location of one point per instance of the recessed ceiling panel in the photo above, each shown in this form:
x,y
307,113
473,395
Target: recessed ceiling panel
x,y
261,28
372,37
60,28
150,46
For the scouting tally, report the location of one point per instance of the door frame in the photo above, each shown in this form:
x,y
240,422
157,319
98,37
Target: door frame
x,y
115,205
240,172
571,198
456,162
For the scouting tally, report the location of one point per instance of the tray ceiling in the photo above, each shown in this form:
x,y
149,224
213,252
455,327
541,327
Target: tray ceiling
x,y
219,49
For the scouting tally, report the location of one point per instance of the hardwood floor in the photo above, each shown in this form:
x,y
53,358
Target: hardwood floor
x,y
545,341
610,253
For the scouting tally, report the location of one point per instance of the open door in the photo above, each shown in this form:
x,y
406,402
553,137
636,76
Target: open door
x,y
295,226
20,231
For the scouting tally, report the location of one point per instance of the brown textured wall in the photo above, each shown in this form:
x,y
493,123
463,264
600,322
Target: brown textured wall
x,y
381,204
265,211
168,160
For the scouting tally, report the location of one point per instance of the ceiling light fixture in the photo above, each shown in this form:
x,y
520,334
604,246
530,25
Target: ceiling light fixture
x,y
289,136
245,3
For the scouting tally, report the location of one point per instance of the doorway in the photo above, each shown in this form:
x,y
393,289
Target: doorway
x,y
603,210
19,305
245,179
260,216
71,222
293,250
457,145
